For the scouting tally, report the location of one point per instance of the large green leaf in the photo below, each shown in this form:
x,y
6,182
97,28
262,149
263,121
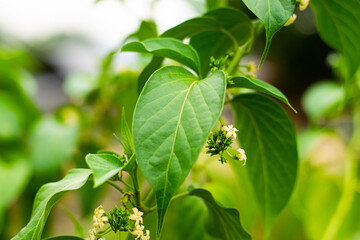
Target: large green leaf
x,y
224,222
169,48
46,198
172,119
213,34
192,27
338,25
260,86
103,166
235,29
274,14
268,137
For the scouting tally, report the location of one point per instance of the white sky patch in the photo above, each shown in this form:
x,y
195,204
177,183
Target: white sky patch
x,y
107,22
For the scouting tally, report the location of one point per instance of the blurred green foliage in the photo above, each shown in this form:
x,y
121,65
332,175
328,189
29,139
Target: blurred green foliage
x,y
37,147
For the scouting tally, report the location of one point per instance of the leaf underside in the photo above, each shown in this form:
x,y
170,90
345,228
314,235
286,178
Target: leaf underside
x,y
103,166
274,14
260,86
268,137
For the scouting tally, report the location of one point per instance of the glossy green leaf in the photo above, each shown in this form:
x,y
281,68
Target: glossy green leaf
x,y
268,137
235,29
273,14
213,34
192,27
103,166
260,86
129,167
46,198
224,222
126,135
172,119
337,22
169,48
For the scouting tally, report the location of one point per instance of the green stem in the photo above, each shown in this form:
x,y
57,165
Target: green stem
x,y
147,210
115,186
106,231
180,195
227,33
149,196
240,53
345,202
350,182
136,186
235,61
222,121
126,184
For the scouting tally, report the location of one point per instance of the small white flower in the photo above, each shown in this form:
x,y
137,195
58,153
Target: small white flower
x,y
241,156
98,218
138,232
303,4
92,234
99,211
147,236
136,216
100,222
231,131
291,20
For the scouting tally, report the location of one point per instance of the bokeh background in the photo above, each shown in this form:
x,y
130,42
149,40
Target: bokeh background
x,y
63,84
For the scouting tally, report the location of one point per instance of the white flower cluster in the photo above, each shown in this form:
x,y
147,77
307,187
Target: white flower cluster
x,y
231,131
99,222
241,156
139,229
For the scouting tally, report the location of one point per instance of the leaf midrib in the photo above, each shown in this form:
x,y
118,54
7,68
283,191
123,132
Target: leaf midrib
x,y
173,146
269,14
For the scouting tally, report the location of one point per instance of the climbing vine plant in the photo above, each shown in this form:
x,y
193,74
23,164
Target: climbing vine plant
x,y
178,114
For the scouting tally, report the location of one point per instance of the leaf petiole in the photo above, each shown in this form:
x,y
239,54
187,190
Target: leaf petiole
x,y
115,186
